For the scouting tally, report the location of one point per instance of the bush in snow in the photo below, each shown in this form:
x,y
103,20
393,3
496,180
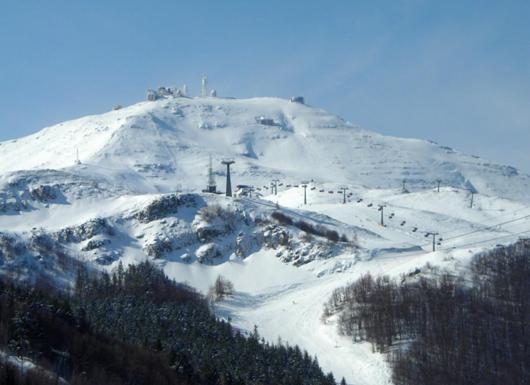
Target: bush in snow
x,y
221,289
282,218
309,228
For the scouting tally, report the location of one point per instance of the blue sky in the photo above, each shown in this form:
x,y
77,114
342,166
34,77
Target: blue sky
x,y
457,72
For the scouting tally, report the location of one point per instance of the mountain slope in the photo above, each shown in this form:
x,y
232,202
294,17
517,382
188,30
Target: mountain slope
x,y
157,146
119,205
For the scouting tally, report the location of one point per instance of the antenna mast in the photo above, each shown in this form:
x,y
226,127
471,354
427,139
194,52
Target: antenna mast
x,y
204,86
211,187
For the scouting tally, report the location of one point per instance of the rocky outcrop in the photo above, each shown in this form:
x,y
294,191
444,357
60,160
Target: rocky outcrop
x,y
95,244
275,236
213,221
208,253
158,247
43,193
87,230
165,206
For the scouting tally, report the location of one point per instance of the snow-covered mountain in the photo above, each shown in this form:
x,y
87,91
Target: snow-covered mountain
x,y
102,189
157,146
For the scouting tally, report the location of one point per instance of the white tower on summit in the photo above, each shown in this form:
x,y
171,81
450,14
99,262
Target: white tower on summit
x,y
204,86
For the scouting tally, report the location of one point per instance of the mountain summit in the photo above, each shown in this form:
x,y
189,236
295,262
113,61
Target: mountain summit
x,y
156,146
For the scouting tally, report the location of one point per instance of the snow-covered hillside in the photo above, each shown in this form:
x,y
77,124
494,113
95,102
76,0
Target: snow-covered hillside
x,y
157,146
120,203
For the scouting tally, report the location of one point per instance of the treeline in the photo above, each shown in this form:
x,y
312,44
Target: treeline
x,y
136,326
446,329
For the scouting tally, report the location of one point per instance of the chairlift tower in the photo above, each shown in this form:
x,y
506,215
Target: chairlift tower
x,y
304,186
404,188
275,186
438,181
434,235
382,209
227,163
343,189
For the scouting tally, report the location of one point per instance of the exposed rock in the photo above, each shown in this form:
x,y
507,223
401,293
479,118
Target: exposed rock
x,y
87,230
95,244
164,206
274,236
214,220
247,243
43,193
158,248
207,253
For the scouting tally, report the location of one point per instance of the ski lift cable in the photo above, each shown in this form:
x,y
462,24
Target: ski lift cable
x,y
488,227
456,230
483,229
496,226
487,240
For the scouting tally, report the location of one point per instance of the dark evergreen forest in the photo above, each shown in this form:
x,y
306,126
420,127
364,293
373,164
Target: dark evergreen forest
x,y
136,327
